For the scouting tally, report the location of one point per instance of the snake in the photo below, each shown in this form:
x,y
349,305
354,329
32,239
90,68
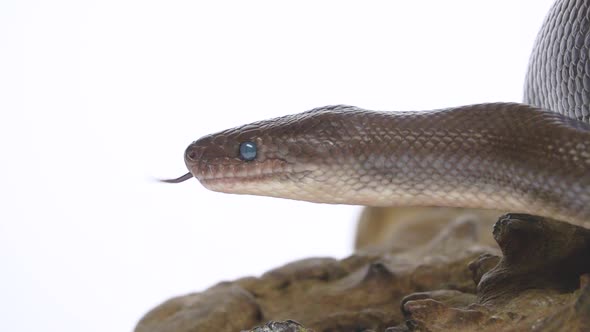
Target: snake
x,y
531,157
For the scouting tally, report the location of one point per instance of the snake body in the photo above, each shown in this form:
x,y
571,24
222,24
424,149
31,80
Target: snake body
x,y
531,158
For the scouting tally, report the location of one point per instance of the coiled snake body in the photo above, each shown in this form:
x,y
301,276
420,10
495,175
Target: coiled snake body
x,y
530,158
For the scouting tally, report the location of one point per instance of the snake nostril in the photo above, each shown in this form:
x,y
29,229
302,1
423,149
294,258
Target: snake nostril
x,y
192,153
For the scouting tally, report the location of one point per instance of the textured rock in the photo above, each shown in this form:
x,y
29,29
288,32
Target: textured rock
x,y
360,292
536,280
538,254
212,310
286,326
540,283
399,229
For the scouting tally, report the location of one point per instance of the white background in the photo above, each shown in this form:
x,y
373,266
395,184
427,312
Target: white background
x,y
98,97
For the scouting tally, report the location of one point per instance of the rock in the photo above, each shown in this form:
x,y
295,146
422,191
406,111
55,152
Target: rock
x,y
221,308
402,228
481,265
286,326
538,253
531,287
361,292
538,280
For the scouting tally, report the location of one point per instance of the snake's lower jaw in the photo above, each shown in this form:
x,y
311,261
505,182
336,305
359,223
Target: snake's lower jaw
x,y
214,185
271,184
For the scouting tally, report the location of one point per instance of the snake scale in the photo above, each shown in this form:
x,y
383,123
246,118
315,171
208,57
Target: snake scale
x,y
532,157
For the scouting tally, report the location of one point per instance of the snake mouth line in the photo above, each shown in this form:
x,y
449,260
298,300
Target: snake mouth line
x,y
252,178
238,178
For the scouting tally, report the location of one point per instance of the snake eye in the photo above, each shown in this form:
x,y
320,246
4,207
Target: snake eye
x,y
248,151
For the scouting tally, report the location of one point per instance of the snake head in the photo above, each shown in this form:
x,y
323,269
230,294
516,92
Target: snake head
x,y
282,157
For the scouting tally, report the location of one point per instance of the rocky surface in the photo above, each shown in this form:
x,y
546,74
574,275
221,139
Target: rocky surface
x,y
286,326
409,277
